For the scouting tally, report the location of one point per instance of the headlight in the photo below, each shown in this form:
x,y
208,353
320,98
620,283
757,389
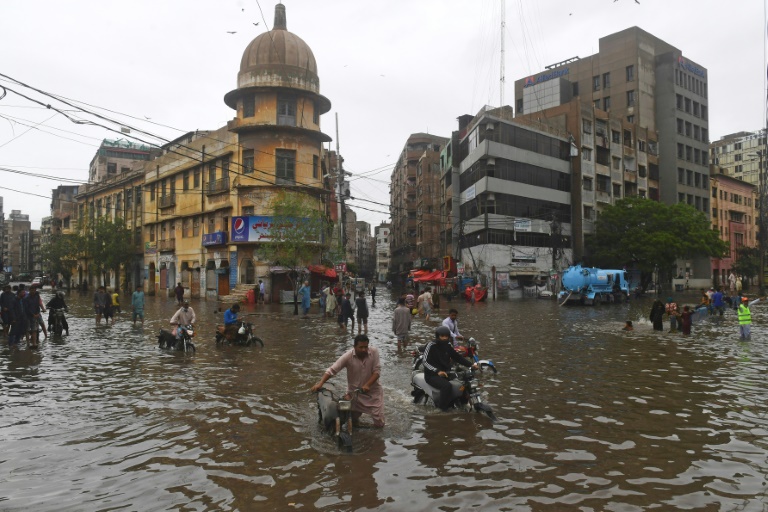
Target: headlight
x,y
345,405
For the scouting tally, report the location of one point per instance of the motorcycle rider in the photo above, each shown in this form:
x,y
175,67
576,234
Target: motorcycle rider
x,y
229,329
57,302
363,372
437,363
183,317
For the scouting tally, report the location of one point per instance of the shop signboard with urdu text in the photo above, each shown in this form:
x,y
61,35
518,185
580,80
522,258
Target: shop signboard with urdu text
x,y
261,228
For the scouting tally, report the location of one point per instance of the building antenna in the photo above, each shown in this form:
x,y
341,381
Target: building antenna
x,y
501,67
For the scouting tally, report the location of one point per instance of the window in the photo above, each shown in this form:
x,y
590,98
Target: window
x,y
616,163
248,210
696,132
586,125
680,175
641,145
630,73
631,98
642,171
628,138
606,80
225,168
286,111
315,166
631,119
285,166
616,190
196,226
704,112
615,136
586,154
185,181
249,106
680,126
596,83
211,172
138,195
679,101
152,192
607,103
574,92
315,114
680,151
688,153
196,179
687,107
587,184
247,161
520,105
596,104
688,129
696,109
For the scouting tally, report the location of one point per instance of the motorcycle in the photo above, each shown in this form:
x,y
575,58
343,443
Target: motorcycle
x,y
168,340
57,326
470,351
335,415
464,396
244,336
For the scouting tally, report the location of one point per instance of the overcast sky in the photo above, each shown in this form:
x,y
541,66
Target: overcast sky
x,y
390,68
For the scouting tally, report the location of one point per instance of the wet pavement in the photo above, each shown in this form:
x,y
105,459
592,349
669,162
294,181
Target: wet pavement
x,y
590,417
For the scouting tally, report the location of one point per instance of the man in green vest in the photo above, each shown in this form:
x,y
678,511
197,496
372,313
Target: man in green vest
x,y
745,317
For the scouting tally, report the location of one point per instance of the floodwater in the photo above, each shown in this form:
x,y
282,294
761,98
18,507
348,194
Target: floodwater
x,y
590,418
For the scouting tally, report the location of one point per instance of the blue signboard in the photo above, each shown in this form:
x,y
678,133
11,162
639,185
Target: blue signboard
x,y
545,77
216,238
232,270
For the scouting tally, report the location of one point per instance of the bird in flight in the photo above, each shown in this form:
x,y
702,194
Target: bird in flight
x,y
231,31
256,24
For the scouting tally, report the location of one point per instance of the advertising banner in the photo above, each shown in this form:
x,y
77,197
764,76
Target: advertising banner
x,y
260,228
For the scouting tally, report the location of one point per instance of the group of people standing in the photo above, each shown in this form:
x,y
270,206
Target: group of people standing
x,y
21,313
714,302
337,302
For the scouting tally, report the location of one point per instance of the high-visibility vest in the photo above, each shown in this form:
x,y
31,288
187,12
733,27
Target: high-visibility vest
x,y
745,315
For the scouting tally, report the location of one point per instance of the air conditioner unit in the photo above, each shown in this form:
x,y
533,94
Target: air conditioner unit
x,y
491,162
489,127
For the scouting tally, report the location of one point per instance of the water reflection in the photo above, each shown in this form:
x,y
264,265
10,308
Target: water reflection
x,y
590,417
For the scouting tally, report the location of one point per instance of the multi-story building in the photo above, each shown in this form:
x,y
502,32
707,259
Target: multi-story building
x,y
740,155
414,205
16,243
63,209
209,196
734,217
4,246
366,247
511,185
381,233
349,219
654,102
114,196
117,157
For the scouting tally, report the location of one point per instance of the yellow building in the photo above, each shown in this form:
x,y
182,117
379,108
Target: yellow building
x,y
204,184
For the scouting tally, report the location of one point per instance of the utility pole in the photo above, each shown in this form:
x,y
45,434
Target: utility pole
x,y
339,197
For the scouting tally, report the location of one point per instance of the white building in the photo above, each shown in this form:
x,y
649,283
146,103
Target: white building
x,y
381,233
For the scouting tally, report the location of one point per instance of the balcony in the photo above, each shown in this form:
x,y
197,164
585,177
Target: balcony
x,y
167,245
218,186
167,201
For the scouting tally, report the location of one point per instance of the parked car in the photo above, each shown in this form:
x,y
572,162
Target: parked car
x,y
38,280
24,277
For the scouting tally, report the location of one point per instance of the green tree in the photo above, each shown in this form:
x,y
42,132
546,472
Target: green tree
x,y
109,245
747,261
646,235
61,254
296,236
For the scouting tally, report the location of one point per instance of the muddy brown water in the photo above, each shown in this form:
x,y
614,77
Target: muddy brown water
x,y
590,418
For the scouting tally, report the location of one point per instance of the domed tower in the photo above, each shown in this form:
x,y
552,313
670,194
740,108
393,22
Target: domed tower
x,y
278,104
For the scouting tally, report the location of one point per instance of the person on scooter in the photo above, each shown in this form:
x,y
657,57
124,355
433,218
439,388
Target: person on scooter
x,y
437,363
230,322
363,372
57,302
183,317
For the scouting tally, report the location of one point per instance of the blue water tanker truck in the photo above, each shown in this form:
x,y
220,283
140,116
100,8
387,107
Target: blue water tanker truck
x,y
582,285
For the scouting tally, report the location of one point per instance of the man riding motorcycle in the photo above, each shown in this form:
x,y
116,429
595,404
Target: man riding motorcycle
x,y
57,302
229,329
437,363
183,317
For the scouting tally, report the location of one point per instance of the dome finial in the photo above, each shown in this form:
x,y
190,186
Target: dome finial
x,y
280,21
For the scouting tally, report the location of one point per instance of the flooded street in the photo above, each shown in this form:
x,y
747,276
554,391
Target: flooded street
x,y
590,418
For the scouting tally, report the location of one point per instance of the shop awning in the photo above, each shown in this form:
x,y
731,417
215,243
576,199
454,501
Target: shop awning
x,y
422,276
323,271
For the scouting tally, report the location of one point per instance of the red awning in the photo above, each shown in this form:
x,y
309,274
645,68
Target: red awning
x,y
422,276
323,271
